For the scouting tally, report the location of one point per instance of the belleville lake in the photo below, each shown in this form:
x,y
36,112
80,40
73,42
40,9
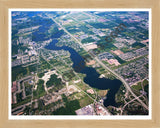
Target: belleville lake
x,y
92,76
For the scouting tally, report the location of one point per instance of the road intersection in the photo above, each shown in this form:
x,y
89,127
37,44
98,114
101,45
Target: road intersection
x,y
100,62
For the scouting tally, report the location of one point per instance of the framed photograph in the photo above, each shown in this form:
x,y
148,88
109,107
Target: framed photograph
x,y
83,66
83,62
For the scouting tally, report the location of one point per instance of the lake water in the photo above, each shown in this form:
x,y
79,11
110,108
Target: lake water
x,y
92,76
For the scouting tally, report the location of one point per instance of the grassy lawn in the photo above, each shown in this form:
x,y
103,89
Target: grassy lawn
x,y
137,86
102,93
85,101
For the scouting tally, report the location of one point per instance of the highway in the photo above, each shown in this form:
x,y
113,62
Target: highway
x,y
131,101
103,65
124,82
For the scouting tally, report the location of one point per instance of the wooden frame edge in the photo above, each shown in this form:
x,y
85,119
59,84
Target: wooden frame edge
x,y
4,122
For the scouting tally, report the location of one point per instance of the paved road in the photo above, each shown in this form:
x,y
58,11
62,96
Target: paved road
x,y
125,83
19,88
131,101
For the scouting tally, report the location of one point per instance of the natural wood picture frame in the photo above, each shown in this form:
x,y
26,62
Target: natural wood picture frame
x,y
4,39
